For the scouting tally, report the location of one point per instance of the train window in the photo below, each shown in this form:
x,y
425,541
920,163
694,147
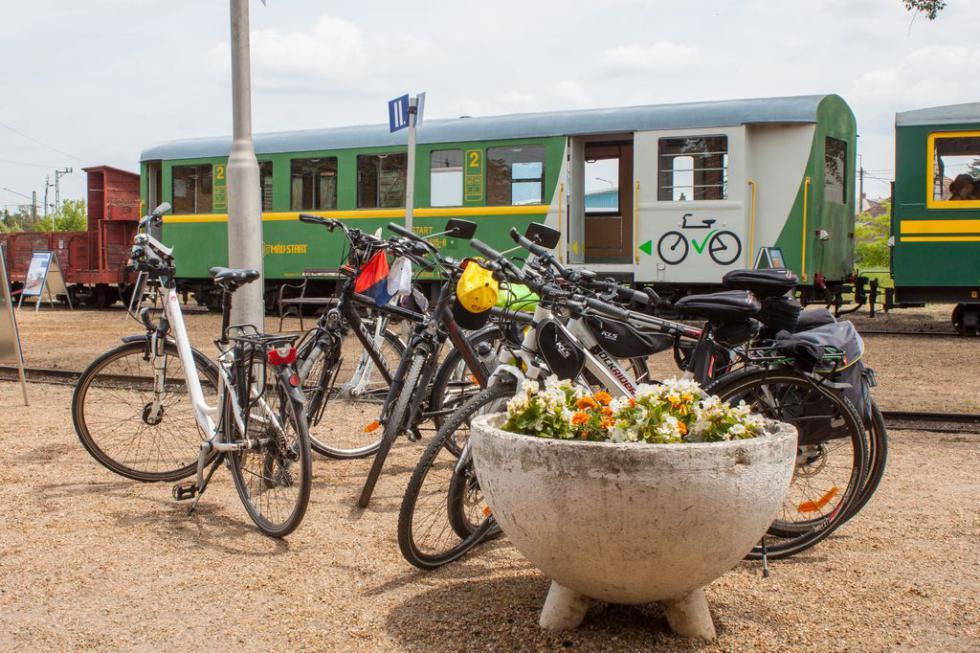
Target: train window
x,y
192,188
835,170
446,178
955,169
693,168
515,175
265,184
313,184
381,180
602,186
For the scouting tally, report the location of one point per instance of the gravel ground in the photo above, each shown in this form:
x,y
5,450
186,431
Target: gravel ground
x,y
89,560
71,339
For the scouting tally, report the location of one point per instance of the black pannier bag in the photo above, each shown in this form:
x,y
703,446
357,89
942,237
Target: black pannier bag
x,y
560,350
809,347
781,314
621,340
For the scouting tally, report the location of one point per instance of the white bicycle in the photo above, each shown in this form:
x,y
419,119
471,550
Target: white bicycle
x,y
156,409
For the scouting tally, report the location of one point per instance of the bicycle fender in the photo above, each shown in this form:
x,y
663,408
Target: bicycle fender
x,y
510,370
295,392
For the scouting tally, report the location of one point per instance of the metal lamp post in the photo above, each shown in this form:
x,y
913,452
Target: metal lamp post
x,y
244,198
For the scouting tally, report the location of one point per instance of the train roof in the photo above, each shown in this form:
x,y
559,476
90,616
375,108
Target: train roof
x,y
951,114
688,115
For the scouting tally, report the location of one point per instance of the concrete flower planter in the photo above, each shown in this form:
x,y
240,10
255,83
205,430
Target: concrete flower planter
x,y
632,522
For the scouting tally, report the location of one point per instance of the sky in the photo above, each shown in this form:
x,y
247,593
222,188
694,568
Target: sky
x,y
90,82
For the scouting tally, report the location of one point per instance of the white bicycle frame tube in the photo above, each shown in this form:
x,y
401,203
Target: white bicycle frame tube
x,y
205,415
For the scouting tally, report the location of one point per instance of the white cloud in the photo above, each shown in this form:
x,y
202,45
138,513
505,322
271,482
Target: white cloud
x,y
664,57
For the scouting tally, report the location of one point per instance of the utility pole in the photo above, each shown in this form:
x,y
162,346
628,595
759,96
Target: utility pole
x,y
244,199
413,106
860,184
47,184
34,205
58,174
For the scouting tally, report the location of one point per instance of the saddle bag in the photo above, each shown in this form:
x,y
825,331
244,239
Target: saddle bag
x,y
621,340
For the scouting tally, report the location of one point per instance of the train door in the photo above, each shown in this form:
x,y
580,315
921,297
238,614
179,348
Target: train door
x,y
608,201
691,208
154,186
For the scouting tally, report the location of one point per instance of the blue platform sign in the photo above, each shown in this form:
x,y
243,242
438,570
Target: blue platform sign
x,y
398,113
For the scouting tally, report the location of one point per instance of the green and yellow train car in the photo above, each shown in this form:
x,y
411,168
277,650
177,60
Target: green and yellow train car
x,y
688,191
936,210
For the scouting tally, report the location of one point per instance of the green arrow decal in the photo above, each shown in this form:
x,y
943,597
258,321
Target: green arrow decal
x,y
647,248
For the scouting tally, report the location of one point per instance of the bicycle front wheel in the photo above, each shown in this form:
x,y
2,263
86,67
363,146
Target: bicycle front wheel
x,y
274,476
831,459
136,425
345,391
443,514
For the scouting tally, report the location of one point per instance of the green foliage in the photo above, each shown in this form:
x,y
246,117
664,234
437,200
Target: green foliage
x,y
930,8
871,239
69,217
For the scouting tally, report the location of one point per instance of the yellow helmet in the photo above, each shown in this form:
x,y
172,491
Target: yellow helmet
x,y
476,294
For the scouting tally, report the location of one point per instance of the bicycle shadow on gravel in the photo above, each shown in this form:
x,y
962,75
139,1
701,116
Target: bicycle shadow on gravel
x,y
205,528
75,489
502,614
470,570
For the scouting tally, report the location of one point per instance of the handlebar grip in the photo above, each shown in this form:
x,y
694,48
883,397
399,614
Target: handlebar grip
x,y
608,309
402,231
535,249
485,249
311,219
634,296
160,210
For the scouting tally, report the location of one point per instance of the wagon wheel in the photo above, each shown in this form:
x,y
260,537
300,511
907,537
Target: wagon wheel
x,y
966,318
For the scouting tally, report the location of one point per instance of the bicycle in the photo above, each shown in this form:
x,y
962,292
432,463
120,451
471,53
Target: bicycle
x,y
459,505
256,424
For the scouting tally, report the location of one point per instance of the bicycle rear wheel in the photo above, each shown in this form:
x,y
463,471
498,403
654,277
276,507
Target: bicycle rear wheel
x,y
274,478
128,427
344,393
443,514
831,457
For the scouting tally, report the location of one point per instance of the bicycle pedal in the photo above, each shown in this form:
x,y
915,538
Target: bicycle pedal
x,y
185,491
413,435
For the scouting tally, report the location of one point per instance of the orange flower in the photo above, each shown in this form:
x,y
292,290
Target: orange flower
x,y
682,427
580,418
603,397
607,411
586,402
632,402
608,422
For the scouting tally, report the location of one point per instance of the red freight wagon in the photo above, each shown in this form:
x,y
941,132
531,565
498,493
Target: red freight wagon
x,y
92,261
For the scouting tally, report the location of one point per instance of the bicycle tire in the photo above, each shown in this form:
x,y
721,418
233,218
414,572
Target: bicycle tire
x,y
447,375
679,239
877,456
461,536
315,387
792,538
292,410
83,403
394,424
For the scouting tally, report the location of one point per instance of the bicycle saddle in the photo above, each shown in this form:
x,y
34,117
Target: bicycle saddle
x,y
232,278
771,282
708,222
720,307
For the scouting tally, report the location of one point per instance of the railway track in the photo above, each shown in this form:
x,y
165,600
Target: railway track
x,y
896,419
917,334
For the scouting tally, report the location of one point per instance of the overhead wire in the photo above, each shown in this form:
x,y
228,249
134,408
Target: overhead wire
x,y
41,143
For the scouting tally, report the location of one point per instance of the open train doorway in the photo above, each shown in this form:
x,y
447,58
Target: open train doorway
x,y
608,201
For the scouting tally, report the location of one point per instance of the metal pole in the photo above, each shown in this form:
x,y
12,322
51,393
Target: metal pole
x,y
34,204
861,186
244,199
47,183
410,176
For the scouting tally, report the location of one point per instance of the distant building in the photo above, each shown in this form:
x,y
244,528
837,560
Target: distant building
x,y
604,200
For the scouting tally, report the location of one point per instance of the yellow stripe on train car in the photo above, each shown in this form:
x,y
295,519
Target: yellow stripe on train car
x,y
377,214
940,227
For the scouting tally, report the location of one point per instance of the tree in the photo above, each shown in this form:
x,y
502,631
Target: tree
x,y
871,240
930,8
69,217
